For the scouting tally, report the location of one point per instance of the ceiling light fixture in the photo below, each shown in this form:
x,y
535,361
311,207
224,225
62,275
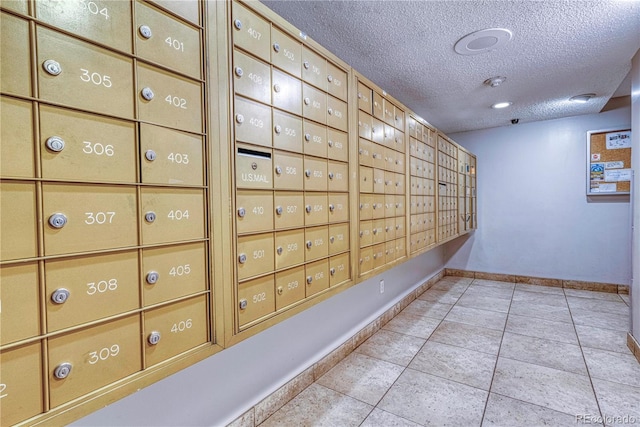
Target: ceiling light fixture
x,y
483,41
495,81
581,99
499,105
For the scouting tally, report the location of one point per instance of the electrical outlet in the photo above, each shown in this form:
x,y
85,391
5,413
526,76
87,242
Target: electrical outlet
x,y
382,286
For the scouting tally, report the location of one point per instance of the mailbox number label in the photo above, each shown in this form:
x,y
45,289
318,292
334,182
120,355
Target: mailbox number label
x,y
95,78
182,326
3,388
102,286
180,270
178,214
176,101
179,158
176,44
292,285
103,354
99,218
94,9
98,149
259,297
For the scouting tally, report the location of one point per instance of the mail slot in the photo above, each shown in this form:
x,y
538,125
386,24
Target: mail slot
x,y
338,238
378,206
364,152
21,295
89,288
82,75
251,78
366,206
168,99
16,151
365,233
338,175
250,32
315,174
163,39
366,179
314,68
286,92
170,272
378,108
286,53
377,230
317,277
178,327
316,208
287,131
289,209
252,122
18,225
339,269
377,156
338,207
364,125
336,81
315,139
288,171
379,184
377,131
22,386
15,55
254,169
255,255
365,262
256,299
178,215
189,10
290,286
86,147
83,361
254,211
316,242
379,258
338,145
390,251
290,248
390,229
364,98
389,205
388,138
337,114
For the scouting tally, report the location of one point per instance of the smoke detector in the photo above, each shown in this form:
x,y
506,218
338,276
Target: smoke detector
x,y
483,41
495,81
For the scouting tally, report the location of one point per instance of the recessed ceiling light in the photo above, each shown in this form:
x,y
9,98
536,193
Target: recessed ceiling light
x,y
581,99
483,41
499,105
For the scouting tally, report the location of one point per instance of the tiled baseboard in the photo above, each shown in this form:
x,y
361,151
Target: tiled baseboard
x,y
540,281
633,346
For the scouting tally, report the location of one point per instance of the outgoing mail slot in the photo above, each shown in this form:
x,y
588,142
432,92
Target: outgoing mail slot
x,y
338,238
377,156
365,262
378,107
316,242
179,326
105,22
317,277
377,230
364,98
250,32
168,99
178,215
290,285
163,39
364,152
251,78
289,209
315,139
338,207
287,131
338,145
379,258
84,289
337,113
364,125
82,218
366,179
20,313
339,269
378,206
379,184
288,171
314,68
316,208
256,299
315,174
286,53
336,81
290,248
15,61
255,255
18,225
377,131
16,151
21,373
78,74
389,205
338,175
365,233
286,92
253,168
86,147
314,104
254,211
83,361
390,228
173,271
252,122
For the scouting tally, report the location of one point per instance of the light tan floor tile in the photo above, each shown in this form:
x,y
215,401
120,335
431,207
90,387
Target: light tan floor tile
x,y
553,354
451,287
428,309
414,325
620,404
604,306
380,418
604,339
276,400
475,316
541,328
433,401
443,297
555,300
504,292
541,311
540,289
615,321
608,296
392,347
468,336
503,411
320,406
484,302
611,366
455,363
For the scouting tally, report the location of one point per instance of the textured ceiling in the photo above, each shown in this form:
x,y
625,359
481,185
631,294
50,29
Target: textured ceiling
x,y
559,49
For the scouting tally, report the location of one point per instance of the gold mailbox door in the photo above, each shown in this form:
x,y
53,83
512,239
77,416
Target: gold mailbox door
x,y
316,208
286,92
288,171
316,242
256,299
286,53
15,55
21,388
256,255
290,248
251,78
339,269
290,286
171,215
250,32
317,277
18,225
16,150
338,207
289,209
287,131
20,295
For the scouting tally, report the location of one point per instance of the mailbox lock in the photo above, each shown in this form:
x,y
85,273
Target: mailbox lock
x,y
239,118
331,207
375,205
62,371
278,129
330,143
308,208
242,258
330,111
359,95
276,87
278,170
238,24
361,233
147,93
329,78
307,137
307,173
239,71
154,338
361,206
375,231
241,212
55,143
306,65
332,239
330,175
243,304
309,244
60,296
276,47
309,280
152,277
57,220
254,166
145,31
307,101
150,217
279,250
52,67
280,290
279,210
360,151
332,271
150,155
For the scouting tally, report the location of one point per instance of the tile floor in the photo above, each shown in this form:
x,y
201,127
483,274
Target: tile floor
x,y
478,352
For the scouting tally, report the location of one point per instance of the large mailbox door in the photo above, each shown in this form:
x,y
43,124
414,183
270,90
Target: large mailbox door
x,y
18,225
20,295
21,392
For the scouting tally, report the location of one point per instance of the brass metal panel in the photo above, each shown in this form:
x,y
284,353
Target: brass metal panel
x,y
252,122
98,356
378,107
365,122
400,205
389,205
182,326
254,211
379,258
251,78
379,185
317,277
15,56
314,104
22,385
377,156
20,296
250,32
388,138
286,92
316,241
18,226
315,174
16,150
337,114
288,171
377,131
259,297
290,285
19,6
366,206
336,81
173,43
290,249
314,68
390,228
287,131
364,152
339,269
390,159
316,208
177,101
366,260
292,208
286,53
365,233
399,183
378,206
315,139
257,251
365,100
338,174
92,78
338,143
98,287
377,230
188,10
338,207
96,148
398,137
338,238
366,180
181,271
179,215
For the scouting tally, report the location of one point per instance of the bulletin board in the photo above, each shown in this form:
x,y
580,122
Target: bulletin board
x,y
609,162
